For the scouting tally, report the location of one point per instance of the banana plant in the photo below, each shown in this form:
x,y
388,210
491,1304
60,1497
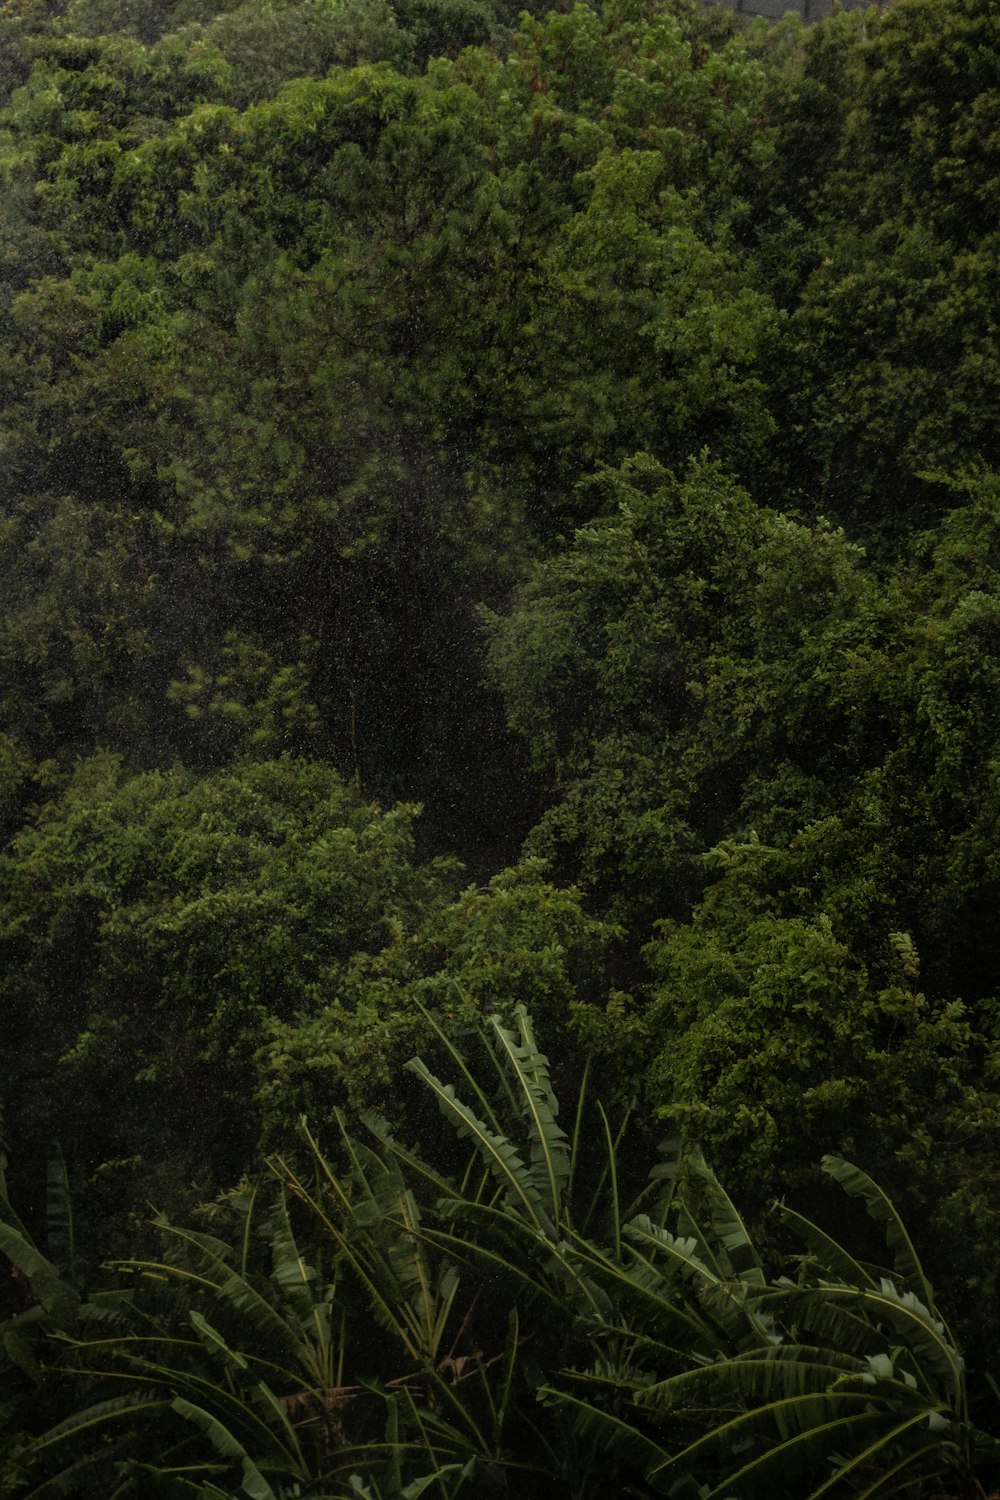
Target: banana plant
x,y
844,1382
48,1280
855,1390
400,1333
374,1321
211,1377
541,1214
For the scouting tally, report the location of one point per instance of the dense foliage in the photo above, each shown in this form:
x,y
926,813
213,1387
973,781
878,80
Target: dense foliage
x,y
498,508
528,1330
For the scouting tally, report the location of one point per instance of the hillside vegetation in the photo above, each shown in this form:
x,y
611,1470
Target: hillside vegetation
x,y
499,539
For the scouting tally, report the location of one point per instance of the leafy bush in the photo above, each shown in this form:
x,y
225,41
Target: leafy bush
x,y
387,1322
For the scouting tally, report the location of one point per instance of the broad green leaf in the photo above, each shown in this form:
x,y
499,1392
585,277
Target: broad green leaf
x,y
496,1150
59,1212
817,1422
549,1147
866,1460
788,1370
253,1482
728,1227
59,1299
214,1341
883,1211
831,1256
615,1432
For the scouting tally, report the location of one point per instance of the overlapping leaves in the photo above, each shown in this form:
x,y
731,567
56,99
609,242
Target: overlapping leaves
x,y
372,1322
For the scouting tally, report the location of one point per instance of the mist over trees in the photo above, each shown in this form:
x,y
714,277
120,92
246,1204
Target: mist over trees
x,y
499,539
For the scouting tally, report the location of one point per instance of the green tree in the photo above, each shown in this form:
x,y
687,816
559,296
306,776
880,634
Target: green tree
x,y
215,955
153,926
670,672
887,369
520,940
773,1027
267,46
329,368
780,769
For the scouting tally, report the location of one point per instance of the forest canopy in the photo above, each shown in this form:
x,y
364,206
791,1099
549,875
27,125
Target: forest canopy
x,y
499,529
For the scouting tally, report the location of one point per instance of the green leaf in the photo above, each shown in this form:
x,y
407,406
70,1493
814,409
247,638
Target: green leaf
x,y
233,1288
728,1227
84,1422
499,1154
57,1297
294,1277
21,1354
613,1431
549,1147
883,1211
60,1212
214,1341
818,1422
842,1313
362,1251
681,1255
831,1256
418,1487
785,1370
867,1458
253,1482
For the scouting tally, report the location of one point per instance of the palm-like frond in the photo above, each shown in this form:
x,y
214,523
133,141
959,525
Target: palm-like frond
x,y
497,1151
216,1277
867,1319
830,1257
56,1295
782,1370
725,1304
695,1374
548,1144
377,1235
308,1299
59,1205
728,1231
227,1446
789,1437
294,1278
641,1451
881,1208
484,1104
